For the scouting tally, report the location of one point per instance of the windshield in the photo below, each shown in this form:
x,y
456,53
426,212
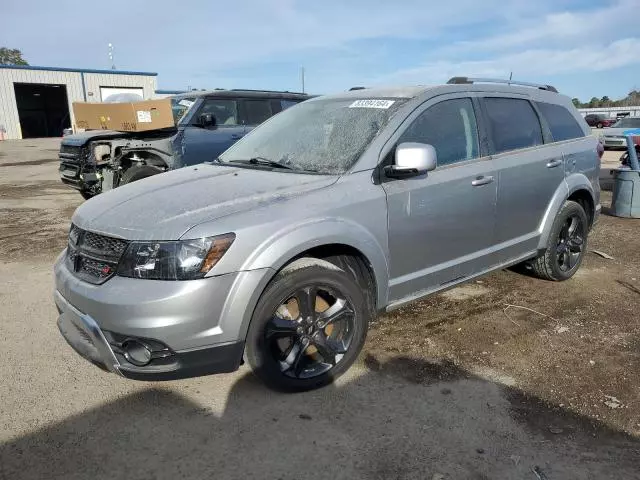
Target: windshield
x,y
324,136
180,106
628,123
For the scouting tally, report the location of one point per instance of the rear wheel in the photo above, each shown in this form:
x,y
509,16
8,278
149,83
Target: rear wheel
x,y
308,327
566,245
599,125
138,173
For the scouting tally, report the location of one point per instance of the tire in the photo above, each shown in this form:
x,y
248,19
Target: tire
x,y
566,247
599,125
86,195
275,345
138,173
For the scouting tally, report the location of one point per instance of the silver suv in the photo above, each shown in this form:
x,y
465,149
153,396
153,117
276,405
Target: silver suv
x,y
284,249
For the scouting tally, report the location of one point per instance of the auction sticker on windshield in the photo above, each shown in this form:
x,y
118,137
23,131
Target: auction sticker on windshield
x,y
384,104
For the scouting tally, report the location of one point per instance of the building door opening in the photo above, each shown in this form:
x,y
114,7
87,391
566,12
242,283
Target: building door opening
x,y
43,109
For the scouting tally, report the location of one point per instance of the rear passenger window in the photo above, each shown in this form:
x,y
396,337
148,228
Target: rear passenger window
x,y
257,111
449,126
513,124
562,124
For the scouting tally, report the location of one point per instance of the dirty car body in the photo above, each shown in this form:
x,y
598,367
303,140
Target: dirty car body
x,y
99,160
372,197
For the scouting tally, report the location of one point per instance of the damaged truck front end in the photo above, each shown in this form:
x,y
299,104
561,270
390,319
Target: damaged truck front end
x,y
105,160
205,124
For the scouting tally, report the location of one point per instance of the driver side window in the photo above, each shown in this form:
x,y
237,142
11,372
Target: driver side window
x,y
450,126
225,111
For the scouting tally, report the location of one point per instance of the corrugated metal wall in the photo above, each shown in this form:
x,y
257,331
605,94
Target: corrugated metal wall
x,y
9,119
94,81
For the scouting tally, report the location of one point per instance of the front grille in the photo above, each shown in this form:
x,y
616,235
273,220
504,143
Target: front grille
x,y
71,153
107,246
93,257
70,149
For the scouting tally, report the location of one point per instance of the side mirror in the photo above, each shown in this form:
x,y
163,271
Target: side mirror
x,y
411,160
207,120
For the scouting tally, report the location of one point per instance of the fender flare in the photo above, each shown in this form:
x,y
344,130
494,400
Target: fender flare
x,y
278,250
571,184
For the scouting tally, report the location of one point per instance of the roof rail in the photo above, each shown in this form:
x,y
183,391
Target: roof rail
x,y
466,80
265,91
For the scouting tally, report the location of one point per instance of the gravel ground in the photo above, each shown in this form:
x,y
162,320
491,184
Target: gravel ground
x,y
454,387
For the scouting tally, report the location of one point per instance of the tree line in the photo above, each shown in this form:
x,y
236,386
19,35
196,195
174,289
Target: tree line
x,y
631,100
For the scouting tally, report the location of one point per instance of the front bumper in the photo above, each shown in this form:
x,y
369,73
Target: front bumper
x,y
198,326
83,334
614,142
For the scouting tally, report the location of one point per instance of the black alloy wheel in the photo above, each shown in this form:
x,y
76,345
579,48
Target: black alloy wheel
x,y
308,326
570,243
310,331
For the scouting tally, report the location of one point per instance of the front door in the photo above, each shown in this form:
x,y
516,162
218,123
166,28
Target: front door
x,y
202,144
441,224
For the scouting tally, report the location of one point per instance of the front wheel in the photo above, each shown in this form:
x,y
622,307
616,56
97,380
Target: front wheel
x,y
599,125
566,245
309,326
136,173
86,194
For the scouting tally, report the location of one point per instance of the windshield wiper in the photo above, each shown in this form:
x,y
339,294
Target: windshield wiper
x,y
263,161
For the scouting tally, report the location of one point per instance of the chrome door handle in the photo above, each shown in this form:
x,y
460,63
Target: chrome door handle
x,y
556,162
482,181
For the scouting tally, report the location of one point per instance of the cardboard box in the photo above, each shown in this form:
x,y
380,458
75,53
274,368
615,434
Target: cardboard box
x,y
124,117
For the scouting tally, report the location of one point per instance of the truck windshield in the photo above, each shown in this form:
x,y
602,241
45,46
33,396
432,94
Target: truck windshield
x,y
180,106
323,136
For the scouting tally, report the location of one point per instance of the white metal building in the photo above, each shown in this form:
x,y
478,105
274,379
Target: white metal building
x,y
613,112
36,101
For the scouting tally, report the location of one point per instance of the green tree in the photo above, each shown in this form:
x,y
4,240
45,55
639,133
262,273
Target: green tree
x,y
605,101
576,102
594,102
11,56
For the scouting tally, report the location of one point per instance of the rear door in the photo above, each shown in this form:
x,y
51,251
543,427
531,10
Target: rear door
x,y
202,144
529,172
257,110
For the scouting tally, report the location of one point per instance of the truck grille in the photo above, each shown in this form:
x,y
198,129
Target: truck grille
x,y
70,153
93,257
70,149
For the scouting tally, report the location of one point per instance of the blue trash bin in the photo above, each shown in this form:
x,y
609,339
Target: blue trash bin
x,y
626,183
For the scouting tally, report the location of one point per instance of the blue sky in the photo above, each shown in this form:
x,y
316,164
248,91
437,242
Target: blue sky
x,y
584,47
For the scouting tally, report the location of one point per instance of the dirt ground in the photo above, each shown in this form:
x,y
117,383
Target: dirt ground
x,y
506,377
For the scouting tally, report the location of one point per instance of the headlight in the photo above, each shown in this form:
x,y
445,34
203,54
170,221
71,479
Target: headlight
x,y
179,260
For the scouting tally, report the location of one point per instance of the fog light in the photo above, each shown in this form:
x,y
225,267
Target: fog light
x,y
136,353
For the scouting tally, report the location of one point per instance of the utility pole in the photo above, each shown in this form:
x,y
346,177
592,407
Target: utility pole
x,y
113,64
510,76
302,77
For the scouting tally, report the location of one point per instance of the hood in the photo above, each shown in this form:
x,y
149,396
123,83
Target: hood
x,y
81,138
165,206
621,132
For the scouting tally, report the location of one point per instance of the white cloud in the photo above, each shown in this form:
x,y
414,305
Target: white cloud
x,y
563,28
534,62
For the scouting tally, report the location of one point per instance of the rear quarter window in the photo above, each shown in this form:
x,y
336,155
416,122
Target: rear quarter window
x,y
562,123
513,124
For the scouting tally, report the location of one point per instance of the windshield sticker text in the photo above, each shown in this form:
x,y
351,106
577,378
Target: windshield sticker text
x,y
384,104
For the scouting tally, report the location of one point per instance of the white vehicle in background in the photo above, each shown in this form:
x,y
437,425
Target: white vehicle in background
x,y
614,138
